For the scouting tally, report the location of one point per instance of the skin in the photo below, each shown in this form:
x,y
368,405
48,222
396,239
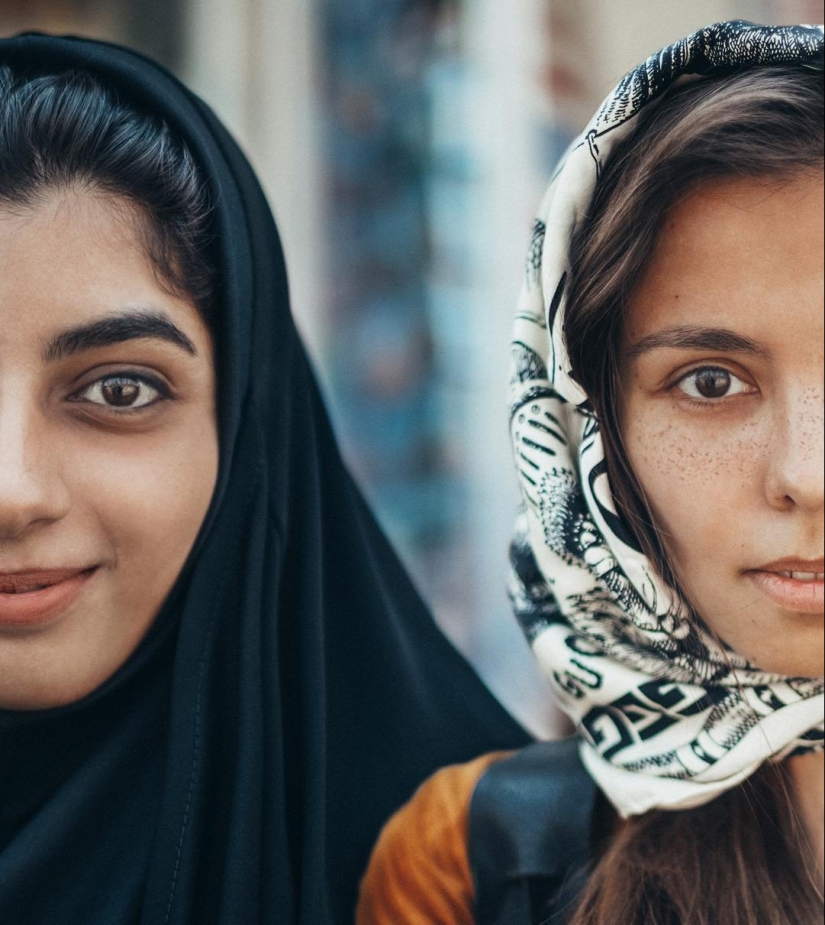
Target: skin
x,y
732,463
94,472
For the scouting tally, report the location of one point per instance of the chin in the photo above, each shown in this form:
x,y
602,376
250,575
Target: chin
x,y
30,694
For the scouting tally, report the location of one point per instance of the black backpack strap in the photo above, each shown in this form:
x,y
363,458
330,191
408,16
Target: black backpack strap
x,y
531,825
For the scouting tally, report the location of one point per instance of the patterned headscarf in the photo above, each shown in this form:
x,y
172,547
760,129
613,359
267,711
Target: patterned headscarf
x,y
658,729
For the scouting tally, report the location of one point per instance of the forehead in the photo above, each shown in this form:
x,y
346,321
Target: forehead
x,y
73,257
75,224
744,253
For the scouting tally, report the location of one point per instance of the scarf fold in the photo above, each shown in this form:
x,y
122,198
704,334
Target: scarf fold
x,y
657,730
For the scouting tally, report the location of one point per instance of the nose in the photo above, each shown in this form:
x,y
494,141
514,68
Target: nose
x,y
796,478
31,491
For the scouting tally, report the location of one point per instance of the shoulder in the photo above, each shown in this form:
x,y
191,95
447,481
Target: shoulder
x,y
523,802
531,821
481,839
420,870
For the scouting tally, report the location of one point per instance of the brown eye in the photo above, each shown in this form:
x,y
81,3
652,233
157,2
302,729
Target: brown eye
x,y
712,384
129,393
120,393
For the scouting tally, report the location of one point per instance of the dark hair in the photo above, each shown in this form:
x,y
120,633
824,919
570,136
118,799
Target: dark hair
x,y
739,860
735,861
67,130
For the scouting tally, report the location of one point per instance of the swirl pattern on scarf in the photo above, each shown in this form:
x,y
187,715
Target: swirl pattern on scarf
x,y
658,730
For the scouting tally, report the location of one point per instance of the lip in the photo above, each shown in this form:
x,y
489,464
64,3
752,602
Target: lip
x,y
789,593
60,589
794,564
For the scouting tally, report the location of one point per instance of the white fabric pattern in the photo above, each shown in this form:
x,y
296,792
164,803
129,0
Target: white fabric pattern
x,y
657,730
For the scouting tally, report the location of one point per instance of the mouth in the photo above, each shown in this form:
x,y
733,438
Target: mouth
x,y
796,585
35,598
803,576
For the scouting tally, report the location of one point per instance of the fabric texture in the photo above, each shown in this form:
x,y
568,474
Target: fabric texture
x,y
420,869
657,730
537,823
293,691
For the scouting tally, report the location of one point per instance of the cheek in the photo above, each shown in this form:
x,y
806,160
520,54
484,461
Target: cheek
x,y
701,478
147,495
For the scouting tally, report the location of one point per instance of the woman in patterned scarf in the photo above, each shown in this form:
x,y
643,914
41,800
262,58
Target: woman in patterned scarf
x,y
667,412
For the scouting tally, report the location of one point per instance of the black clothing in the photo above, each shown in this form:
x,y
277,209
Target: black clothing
x,y
293,690
536,821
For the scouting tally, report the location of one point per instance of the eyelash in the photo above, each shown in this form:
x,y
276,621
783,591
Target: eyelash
x,y
129,376
703,401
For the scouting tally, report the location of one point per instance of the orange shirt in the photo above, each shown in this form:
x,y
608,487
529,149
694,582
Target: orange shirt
x,y
420,870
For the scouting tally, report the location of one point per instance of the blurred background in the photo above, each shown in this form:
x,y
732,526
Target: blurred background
x,y
405,145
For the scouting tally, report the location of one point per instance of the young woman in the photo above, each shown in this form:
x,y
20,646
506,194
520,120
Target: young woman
x,y
667,416
216,681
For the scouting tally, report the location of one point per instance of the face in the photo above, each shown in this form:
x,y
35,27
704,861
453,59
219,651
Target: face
x,y
723,411
108,445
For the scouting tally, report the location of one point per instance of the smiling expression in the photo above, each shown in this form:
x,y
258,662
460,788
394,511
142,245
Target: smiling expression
x,y
723,411
108,445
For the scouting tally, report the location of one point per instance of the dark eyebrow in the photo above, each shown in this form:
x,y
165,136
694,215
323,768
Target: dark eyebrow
x,y
687,337
116,330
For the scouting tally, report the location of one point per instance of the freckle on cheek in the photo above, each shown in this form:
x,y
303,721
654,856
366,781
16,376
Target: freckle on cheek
x,y
674,455
679,459
811,410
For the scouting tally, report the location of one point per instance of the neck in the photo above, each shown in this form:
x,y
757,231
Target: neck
x,y
808,782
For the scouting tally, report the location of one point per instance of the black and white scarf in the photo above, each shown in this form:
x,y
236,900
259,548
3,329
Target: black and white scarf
x,y
657,730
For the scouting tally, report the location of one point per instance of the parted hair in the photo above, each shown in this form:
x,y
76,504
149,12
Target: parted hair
x,y
67,131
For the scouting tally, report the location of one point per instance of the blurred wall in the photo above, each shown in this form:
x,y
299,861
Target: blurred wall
x,y
256,62
154,26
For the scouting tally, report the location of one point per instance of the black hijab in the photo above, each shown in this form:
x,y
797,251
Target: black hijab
x,y
294,689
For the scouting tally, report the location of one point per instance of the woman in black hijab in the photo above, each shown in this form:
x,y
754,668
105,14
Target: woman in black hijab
x,y
233,761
